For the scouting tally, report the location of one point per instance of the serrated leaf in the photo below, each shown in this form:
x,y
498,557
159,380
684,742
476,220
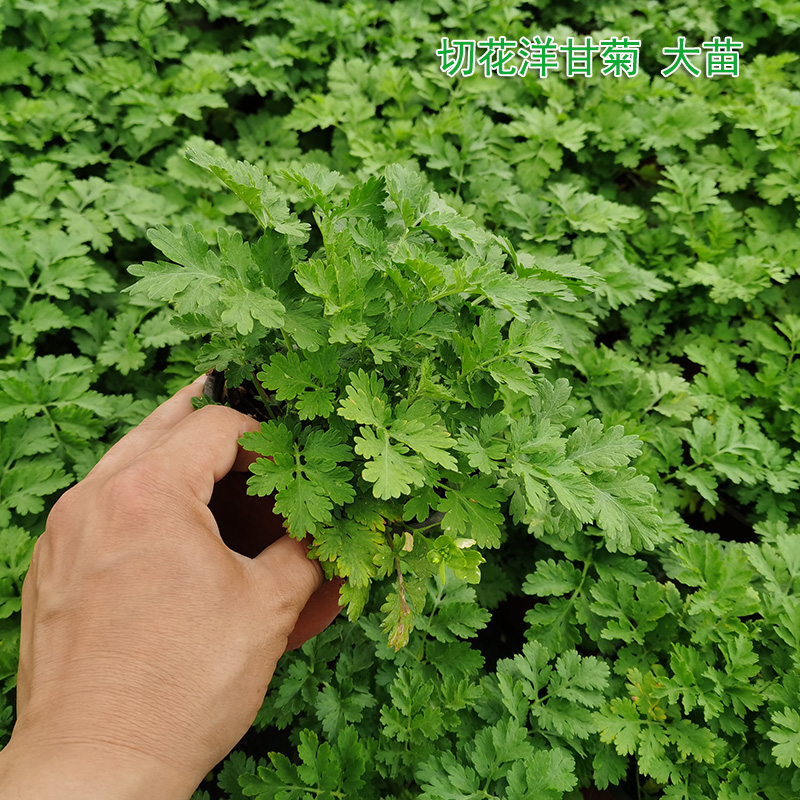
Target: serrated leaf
x,y
472,511
552,578
786,734
592,447
389,467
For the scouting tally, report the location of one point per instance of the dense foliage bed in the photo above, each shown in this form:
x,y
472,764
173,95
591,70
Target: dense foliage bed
x,y
653,648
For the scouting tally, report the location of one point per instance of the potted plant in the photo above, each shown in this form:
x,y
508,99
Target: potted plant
x,y
393,351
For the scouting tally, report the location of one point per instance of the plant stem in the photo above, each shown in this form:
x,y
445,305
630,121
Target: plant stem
x,y
33,291
436,602
264,398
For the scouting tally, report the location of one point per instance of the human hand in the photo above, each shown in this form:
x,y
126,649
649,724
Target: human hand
x,y
147,643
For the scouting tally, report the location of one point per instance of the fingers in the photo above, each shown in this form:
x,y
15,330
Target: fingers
x,y
321,609
199,450
150,430
288,576
296,582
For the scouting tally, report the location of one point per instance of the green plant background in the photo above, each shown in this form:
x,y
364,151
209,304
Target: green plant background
x,y
674,672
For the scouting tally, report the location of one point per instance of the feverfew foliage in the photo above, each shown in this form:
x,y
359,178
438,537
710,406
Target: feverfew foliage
x,y
640,236
402,371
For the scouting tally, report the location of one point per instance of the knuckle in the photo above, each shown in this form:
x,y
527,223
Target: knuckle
x,y
153,422
278,603
64,507
138,489
312,576
283,601
139,480
285,610
64,514
40,547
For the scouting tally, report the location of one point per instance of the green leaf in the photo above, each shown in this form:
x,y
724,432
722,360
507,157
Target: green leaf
x,y
472,511
547,774
366,402
625,510
458,615
191,284
354,546
389,467
244,307
620,725
365,201
260,196
593,448
303,473
552,578
420,428
786,733
293,379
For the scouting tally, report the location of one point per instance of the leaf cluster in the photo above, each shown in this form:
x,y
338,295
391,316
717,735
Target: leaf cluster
x,y
401,371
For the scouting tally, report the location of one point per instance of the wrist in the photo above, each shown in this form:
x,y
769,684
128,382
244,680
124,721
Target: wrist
x,y
84,770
